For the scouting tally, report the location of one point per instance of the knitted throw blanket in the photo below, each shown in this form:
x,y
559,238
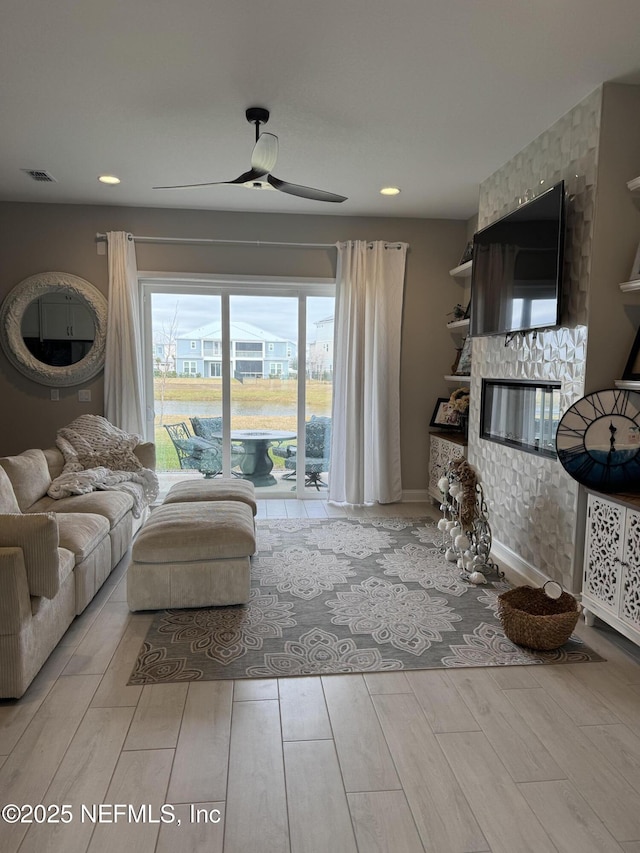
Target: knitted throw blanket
x,y
99,456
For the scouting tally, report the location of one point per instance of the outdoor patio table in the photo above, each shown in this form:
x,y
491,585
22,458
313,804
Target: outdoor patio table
x,y
257,464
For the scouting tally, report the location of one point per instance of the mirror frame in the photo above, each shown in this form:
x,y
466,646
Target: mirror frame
x,y
12,312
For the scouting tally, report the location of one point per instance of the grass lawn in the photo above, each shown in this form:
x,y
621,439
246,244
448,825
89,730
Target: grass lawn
x,y
277,392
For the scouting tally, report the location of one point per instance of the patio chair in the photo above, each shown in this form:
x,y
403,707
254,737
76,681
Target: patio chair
x,y
210,429
317,445
195,453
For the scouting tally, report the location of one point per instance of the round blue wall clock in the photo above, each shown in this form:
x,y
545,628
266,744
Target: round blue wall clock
x,y
598,440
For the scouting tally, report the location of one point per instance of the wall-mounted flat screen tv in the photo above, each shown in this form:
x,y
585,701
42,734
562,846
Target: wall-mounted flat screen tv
x,y
516,277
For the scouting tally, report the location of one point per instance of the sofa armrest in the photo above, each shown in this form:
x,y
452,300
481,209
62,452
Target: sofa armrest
x,y
37,535
146,453
15,603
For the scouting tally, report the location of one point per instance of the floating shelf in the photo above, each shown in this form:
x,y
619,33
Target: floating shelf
x,y
463,380
462,324
462,271
628,286
634,185
629,384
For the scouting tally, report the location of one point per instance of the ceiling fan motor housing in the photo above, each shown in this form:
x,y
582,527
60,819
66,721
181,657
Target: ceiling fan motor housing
x,y
257,115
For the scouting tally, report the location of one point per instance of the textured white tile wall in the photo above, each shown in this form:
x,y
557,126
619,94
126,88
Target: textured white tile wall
x,y
533,504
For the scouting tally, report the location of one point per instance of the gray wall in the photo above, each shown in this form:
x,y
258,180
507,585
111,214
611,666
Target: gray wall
x,y
39,237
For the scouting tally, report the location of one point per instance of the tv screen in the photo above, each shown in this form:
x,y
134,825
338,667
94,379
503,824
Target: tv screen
x,y
517,268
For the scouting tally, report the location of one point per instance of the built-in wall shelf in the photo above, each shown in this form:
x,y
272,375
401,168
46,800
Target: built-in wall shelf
x,y
460,324
463,380
628,286
634,185
462,271
629,384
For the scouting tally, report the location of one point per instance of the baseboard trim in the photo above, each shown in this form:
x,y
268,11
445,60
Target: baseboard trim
x,y
416,496
524,571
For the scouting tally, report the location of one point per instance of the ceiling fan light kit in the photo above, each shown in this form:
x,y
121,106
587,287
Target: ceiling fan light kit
x,y
263,160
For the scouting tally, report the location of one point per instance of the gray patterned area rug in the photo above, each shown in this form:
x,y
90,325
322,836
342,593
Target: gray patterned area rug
x,y
339,596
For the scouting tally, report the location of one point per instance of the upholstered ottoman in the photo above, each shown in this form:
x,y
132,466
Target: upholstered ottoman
x,y
192,554
229,489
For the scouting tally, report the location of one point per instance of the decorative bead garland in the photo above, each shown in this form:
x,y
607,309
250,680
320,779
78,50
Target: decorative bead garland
x,y
466,533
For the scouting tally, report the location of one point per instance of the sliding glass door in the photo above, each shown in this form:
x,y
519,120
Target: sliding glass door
x,y
240,375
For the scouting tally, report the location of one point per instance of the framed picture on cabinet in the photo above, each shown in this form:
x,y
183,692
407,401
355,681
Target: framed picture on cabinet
x,y
445,416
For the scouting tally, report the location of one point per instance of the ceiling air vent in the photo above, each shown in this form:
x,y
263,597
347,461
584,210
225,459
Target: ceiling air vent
x,y
40,175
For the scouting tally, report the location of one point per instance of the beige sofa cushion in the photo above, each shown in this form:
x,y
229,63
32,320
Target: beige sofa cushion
x,y
37,535
29,475
81,532
55,461
8,502
184,532
65,566
112,505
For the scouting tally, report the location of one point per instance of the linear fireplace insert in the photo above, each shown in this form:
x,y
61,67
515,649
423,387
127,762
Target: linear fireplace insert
x,y
521,414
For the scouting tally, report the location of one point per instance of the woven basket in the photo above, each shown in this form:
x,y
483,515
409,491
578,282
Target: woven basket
x,y
530,618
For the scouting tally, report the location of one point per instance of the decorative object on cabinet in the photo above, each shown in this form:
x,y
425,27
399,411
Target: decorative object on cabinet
x,y
454,366
611,576
465,520
598,440
536,618
444,415
53,328
459,401
443,448
464,363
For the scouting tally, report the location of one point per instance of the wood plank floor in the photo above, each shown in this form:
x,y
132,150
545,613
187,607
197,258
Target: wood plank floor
x,y
511,760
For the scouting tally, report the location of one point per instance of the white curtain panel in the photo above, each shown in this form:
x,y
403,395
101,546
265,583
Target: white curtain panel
x,y
365,438
123,379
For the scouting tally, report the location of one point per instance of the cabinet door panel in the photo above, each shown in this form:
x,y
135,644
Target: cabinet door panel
x,y
605,522
441,452
630,585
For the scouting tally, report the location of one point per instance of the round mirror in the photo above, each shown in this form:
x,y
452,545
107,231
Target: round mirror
x,y
53,328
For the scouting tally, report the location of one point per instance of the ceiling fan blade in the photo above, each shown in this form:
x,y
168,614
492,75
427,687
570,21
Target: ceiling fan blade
x,y
251,175
304,192
265,152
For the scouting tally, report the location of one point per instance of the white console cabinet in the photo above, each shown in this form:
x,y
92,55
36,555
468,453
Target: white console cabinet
x,y
443,448
611,578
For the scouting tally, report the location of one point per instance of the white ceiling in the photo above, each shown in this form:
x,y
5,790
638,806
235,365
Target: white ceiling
x,y
428,95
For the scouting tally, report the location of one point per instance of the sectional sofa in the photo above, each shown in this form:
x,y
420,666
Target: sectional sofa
x,y
54,556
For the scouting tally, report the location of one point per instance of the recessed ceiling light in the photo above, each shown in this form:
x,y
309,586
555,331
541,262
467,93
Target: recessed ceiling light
x,y
389,191
109,179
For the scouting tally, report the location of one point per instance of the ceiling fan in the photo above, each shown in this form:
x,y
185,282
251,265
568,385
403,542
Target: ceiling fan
x,y
263,159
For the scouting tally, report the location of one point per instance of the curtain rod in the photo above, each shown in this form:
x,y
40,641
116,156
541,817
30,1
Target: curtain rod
x,y
209,241
101,237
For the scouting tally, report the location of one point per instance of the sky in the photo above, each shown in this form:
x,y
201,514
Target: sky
x,y
275,314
